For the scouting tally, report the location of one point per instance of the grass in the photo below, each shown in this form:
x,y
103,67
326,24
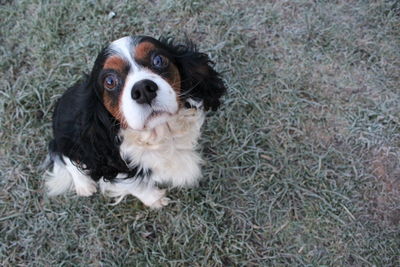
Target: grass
x,y
302,162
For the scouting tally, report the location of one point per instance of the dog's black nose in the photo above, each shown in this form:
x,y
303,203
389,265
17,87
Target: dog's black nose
x,y
144,91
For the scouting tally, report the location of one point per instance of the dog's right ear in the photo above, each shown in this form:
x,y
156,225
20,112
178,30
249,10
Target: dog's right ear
x,y
199,79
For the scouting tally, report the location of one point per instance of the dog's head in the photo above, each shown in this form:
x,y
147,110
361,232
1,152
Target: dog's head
x,y
143,81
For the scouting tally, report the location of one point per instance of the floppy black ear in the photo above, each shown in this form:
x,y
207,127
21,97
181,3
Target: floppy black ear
x,y
199,80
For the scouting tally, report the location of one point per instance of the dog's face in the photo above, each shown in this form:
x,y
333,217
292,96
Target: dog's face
x,y
143,82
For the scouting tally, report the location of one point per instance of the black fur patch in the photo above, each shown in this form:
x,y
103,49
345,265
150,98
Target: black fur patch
x,y
86,132
199,80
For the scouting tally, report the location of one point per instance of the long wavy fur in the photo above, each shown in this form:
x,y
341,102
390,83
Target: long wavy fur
x,y
199,79
87,133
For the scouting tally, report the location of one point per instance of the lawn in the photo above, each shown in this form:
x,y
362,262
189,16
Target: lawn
x,y
301,163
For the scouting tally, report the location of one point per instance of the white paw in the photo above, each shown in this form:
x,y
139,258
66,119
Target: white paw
x,y
162,202
156,199
86,189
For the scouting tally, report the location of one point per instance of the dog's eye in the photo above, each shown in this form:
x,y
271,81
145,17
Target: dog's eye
x,y
110,81
160,61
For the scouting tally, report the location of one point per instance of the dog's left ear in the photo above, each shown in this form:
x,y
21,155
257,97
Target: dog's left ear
x,y
199,80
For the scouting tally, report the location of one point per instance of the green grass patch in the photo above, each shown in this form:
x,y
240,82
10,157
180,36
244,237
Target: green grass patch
x,y
301,163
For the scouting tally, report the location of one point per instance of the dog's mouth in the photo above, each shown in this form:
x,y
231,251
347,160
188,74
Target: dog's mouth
x,y
155,114
156,118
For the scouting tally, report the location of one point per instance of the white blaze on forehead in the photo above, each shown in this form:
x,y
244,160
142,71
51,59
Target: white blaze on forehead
x,y
124,48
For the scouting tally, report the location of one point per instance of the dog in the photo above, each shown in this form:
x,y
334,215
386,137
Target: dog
x,y
133,123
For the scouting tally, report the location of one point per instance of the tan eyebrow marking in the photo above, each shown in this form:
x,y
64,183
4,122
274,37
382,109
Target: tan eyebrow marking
x,y
115,63
142,50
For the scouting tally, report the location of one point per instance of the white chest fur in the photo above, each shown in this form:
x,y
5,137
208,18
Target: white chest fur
x,y
169,150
